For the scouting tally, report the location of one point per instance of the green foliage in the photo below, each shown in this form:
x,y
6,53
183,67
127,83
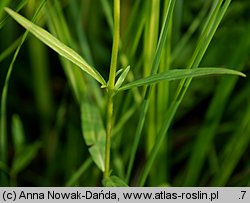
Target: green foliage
x,y
24,153
75,117
113,181
176,74
55,44
93,132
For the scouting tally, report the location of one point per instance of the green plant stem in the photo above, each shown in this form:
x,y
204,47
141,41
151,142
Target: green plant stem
x,y
115,47
111,84
108,135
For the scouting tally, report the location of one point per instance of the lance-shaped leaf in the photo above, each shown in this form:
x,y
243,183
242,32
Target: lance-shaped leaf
x,y
93,132
122,78
177,74
56,45
24,157
24,153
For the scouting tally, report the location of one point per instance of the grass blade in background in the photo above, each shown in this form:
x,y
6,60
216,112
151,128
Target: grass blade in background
x,y
108,13
18,7
56,45
233,150
151,34
3,134
72,181
80,31
84,45
41,80
9,50
3,4
186,37
154,69
214,114
58,27
78,82
207,144
201,48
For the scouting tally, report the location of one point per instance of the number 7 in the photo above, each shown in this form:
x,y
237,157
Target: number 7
x,y
243,194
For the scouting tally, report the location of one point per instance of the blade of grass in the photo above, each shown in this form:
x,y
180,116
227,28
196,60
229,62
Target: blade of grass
x,y
127,55
56,45
59,28
79,84
234,149
20,5
215,112
135,29
150,44
201,48
41,79
78,81
161,169
108,13
193,27
84,46
3,134
134,14
3,4
10,49
176,74
80,30
145,102
75,177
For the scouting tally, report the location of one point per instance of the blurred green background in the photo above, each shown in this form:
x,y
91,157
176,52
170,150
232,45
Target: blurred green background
x,y
208,142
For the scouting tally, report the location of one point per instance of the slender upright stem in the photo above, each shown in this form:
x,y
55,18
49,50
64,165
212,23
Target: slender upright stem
x,y
108,135
111,84
116,38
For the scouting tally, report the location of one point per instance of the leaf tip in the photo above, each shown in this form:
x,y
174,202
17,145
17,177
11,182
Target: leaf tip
x,y
7,9
243,75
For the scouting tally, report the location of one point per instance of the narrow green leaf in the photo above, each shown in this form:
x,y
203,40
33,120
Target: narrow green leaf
x,y
176,74
5,53
113,181
76,175
58,27
56,45
108,13
233,151
3,119
3,3
93,132
17,132
118,72
24,157
122,78
155,66
200,50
